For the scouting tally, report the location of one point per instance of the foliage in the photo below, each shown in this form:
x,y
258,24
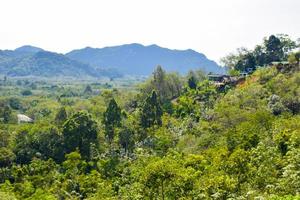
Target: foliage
x,y
6,114
167,85
26,92
294,58
151,111
274,48
192,81
80,131
180,138
88,90
61,115
111,119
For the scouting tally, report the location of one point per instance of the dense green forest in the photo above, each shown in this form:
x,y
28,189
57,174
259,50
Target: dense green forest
x,y
169,137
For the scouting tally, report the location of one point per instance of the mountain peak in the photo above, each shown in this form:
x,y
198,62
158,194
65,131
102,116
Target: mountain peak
x,y
135,44
28,49
154,46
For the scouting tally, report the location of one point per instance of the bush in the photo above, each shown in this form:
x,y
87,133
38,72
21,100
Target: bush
x,y
6,157
15,103
275,104
26,93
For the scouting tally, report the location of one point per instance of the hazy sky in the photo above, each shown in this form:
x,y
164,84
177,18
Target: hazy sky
x,y
213,27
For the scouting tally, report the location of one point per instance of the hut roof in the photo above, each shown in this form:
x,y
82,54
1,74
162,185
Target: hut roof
x,y
24,118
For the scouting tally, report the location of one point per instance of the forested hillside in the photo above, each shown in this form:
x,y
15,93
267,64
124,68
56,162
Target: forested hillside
x,y
137,59
112,62
171,137
33,61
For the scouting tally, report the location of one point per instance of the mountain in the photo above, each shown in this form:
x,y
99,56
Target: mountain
x,y
131,59
33,61
44,63
141,60
28,49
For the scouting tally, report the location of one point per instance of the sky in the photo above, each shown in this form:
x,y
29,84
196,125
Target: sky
x,y
212,27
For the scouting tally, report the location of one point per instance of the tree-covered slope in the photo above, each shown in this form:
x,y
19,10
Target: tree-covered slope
x,y
242,142
173,137
141,60
33,61
48,64
132,59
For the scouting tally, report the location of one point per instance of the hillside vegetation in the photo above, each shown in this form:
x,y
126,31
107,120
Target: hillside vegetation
x,y
33,61
172,137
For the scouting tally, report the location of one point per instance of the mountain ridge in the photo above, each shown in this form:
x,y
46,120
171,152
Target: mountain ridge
x,y
33,61
139,59
110,61
29,49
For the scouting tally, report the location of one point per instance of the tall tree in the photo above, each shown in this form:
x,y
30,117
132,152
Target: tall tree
x,y
167,85
246,62
61,115
174,85
112,119
151,111
80,131
159,82
232,59
159,76
88,90
192,80
6,114
259,55
126,139
287,44
274,49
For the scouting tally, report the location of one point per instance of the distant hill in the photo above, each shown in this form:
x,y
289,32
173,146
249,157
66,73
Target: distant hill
x,y
141,60
131,59
28,49
33,61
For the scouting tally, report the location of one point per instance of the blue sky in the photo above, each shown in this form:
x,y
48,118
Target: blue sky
x,y
213,27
